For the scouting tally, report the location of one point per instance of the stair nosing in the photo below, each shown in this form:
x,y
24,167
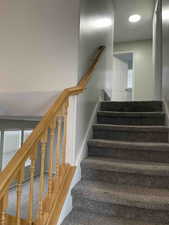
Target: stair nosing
x,y
78,214
127,166
138,128
146,102
130,114
138,146
123,196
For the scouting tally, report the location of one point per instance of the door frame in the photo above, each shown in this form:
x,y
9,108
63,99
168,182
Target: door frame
x,y
133,80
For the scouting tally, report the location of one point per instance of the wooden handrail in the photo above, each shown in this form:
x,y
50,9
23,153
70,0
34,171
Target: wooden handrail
x,y
15,165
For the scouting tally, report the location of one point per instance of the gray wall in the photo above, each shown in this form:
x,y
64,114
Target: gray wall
x,y
165,26
157,49
94,32
143,85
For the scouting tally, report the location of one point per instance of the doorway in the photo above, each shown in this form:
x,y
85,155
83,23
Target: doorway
x,y
123,76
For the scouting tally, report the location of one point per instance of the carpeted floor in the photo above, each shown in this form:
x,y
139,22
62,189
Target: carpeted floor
x,y
125,179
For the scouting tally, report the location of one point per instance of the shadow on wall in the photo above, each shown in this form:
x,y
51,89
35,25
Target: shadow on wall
x,y
27,104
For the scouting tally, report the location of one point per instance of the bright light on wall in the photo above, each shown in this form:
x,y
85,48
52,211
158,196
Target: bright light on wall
x,y
134,18
165,15
101,23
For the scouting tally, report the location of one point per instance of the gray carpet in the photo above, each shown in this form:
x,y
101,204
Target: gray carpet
x,y
125,179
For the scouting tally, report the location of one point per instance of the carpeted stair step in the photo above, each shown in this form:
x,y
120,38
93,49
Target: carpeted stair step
x,y
145,174
140,151
145,204
78,217
131,133
131,118
125,178
138,106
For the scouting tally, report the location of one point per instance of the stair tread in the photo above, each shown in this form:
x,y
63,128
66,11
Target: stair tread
x,y
126,166
130,114
133,102
129,145
78,217
132,128
124,175
136,106
133,196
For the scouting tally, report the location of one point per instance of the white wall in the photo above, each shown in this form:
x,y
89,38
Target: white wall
x,y
92,34
143,88
165,76
120,78
157,49
38,49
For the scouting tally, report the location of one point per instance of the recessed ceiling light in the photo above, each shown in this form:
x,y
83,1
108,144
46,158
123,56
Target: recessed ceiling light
x,y
134,18
165,15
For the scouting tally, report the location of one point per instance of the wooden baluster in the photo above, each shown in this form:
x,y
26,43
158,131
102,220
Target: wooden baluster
x,y
31,190
19,195
42,175
50,172
3,207
59,139
65,110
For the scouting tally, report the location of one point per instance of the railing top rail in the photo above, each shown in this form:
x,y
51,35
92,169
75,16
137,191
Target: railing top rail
x,y
12,169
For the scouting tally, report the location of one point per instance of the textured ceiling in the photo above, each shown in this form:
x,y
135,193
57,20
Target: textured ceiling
x,y
125,31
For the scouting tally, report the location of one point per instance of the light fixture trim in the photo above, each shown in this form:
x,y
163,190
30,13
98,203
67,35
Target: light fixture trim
x,y
134,18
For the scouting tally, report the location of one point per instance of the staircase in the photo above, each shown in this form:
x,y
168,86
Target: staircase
x,y
125,179
49,153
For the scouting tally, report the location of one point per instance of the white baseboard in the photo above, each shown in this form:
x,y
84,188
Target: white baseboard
x,y
67,208
166,110
88,135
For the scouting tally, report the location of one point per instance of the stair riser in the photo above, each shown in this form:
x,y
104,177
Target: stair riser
x,y
131,121
128,212
135,155
131,136
131,107
123,178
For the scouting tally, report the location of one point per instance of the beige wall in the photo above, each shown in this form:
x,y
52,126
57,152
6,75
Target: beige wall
x,y
44,50
47,46
38,53
143,67
38,45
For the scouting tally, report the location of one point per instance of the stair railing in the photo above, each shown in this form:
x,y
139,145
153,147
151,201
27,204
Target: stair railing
x,y
48,138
